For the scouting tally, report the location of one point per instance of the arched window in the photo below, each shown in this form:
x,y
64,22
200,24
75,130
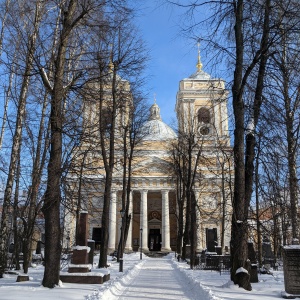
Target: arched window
x,y
203,115
105,118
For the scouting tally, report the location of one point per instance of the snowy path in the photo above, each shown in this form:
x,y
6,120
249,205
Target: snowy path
x,y
146,279
157,280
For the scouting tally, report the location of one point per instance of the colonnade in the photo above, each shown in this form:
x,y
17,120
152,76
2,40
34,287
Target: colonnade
x,y
144,230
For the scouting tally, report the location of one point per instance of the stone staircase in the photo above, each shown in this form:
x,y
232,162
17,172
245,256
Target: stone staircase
x,y
156,254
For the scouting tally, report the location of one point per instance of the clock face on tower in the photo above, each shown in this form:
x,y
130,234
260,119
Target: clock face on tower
x,y
204,130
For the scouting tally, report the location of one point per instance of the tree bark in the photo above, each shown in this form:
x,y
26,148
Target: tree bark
x,y
239,236
52,201
291,141
109,162
244,183
38,166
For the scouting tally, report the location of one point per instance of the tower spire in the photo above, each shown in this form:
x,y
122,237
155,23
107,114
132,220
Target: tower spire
x,y
111,64
199,64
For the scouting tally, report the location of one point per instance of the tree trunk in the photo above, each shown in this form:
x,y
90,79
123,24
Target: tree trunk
x,y
258,225
291,142
223,205
3,24
124,198
244,183
239,230
11,75
79,198
108,159
17,141
180,203
186,234
250,137
17,235
193,229
34,207
52,201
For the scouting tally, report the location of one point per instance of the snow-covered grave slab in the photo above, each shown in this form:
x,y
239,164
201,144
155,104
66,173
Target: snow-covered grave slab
x,y
291,268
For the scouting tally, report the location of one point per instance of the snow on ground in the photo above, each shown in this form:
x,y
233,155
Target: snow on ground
x,y
221,287
157,278
138,275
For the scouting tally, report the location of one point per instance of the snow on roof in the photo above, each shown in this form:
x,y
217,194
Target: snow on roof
x,y
155,129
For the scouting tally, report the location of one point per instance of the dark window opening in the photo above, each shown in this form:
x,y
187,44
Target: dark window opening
x,y
211,239
203,115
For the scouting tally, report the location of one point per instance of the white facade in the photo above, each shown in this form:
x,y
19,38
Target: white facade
x,y
201,105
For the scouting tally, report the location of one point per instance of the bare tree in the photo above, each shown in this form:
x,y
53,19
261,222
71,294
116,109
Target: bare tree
x,y
17,136
72,15
242,22
291,99
186,159
3,25
244,166
131,63
132,137
33,201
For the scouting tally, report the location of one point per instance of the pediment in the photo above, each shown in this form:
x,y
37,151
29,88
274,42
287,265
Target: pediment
x,y
154,221
153,165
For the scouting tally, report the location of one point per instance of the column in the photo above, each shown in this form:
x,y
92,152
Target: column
x,y
199,247
165,222
144,220
128,246
112,222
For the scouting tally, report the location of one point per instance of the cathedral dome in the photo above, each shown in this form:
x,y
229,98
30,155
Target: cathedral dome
x,y
155,129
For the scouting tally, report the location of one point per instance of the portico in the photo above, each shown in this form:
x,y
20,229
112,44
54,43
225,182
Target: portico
x,y
150,211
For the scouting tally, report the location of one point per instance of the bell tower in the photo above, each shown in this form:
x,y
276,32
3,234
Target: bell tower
x,y
201,108
201,105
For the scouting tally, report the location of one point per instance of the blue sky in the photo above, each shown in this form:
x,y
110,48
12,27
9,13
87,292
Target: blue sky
x,y
172,57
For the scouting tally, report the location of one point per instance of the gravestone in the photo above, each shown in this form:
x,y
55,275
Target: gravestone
x,y
187,251
22,278
267,253
91,245
81,263
253,261
218,249
291,270
80,252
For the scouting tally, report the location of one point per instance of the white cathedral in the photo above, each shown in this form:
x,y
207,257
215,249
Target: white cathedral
x,y
201,107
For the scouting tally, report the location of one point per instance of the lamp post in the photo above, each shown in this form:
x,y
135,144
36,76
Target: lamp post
x,y
122,212
141,245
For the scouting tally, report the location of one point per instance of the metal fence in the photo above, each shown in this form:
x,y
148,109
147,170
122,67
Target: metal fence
x,y
220,263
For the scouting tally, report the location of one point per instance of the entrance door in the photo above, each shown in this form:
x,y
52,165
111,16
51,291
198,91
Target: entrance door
x,y
154,240
211,239
96,236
